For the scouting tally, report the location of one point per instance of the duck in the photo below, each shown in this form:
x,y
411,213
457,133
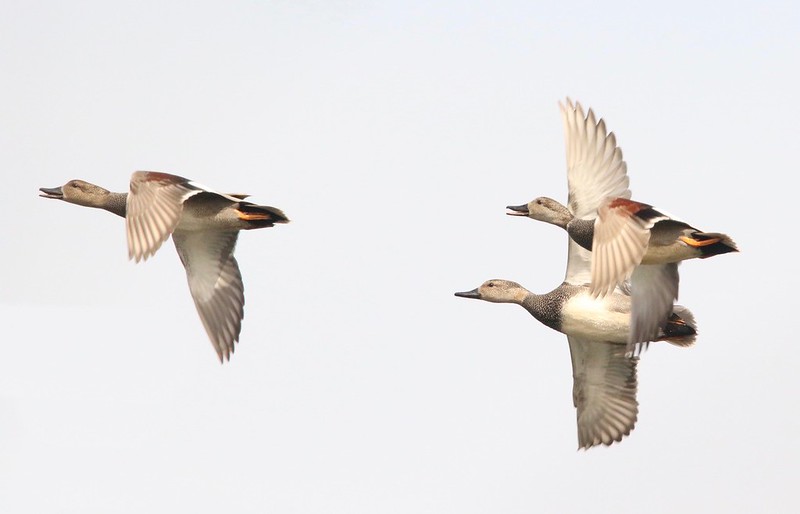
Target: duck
x,y
604,373
204,225
632,244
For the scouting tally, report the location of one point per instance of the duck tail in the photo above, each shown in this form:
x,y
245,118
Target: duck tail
x,y
681,327
713,243
679,330
259,216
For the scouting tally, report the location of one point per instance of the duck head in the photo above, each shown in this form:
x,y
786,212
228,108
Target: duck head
x,y
497,291
543,209
78,192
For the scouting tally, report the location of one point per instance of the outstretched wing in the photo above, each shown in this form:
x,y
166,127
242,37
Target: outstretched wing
x,y
603,391
595,171
215,283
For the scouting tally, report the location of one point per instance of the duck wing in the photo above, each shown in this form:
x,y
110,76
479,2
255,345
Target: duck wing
x,y
620,241
603,391
595,171
654,289
154,207
622,234
595,168
215,283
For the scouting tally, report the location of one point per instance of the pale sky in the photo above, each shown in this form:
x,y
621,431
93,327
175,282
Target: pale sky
x,y
393,134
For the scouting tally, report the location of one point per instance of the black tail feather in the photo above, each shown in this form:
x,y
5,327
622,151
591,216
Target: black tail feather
x,y
724,245
262,215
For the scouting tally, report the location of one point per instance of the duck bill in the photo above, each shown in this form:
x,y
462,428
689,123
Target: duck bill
x,y
517,210
52,192
470,294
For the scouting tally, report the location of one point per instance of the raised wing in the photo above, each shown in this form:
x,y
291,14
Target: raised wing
x,y
595,169
603,391
154,207
215,283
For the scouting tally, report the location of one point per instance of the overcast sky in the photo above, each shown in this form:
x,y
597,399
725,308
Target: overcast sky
x,y
393,134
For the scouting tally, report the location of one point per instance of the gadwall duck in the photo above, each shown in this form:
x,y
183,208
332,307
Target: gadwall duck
x,y
630,240
204,226
604,375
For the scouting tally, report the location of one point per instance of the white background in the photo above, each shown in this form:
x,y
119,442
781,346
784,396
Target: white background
x,y
393,134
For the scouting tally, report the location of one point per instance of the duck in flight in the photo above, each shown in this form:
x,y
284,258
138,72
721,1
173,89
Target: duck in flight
x,y
204,225
628,240
597,327
604,375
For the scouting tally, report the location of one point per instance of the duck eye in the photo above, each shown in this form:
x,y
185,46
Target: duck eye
x,y
490,284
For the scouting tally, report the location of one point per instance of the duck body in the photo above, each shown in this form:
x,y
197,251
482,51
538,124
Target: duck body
x,y
209,211
574,311
610,318
594,318
203,211
203,224
670,240
628,233
676,241
160,204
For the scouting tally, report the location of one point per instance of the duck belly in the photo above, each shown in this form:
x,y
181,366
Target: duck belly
x,y
597,319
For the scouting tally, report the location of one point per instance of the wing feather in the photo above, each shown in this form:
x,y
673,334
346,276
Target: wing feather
x,y
595,171
215,283
604,391
154,207
620,241
654,289
595,168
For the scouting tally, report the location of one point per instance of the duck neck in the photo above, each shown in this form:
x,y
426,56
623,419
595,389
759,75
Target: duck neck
x,y
559,215
581,231
116,203
541,308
